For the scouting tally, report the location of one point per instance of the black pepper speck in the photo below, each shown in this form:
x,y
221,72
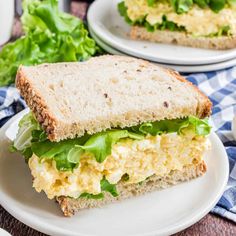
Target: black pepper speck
x,y
166,104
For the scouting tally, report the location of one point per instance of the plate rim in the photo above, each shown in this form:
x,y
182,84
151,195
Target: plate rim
x,y
55,230
123,48
179,68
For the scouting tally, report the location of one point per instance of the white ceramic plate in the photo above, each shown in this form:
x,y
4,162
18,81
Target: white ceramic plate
x,y
4,233
158,213
105,21
184,69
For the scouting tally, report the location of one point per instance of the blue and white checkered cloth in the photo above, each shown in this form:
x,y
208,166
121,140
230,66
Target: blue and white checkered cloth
x,y
10,103
220,86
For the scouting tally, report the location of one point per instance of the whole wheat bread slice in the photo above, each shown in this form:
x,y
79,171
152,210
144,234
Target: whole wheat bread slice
x,y
70,99
182,38
69,205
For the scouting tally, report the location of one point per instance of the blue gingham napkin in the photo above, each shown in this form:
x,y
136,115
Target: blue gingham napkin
x,y
220,86
10,103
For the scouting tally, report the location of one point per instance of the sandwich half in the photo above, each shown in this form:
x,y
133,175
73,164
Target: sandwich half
x,y
196,23
108,129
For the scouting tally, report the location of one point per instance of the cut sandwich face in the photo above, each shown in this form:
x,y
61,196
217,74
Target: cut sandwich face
x,y
88,166
130,162
198,19
158,139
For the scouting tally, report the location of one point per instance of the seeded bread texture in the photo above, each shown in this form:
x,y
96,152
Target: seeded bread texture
x,y
69,99
69,205
181,38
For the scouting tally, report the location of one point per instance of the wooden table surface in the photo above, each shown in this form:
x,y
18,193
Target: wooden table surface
x,y
209,225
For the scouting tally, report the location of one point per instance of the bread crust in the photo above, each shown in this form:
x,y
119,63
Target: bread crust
x,y
203,111
69,205
61,124
182,38
36,103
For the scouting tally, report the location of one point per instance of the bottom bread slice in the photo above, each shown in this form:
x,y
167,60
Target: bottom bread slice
x,y
69,205
182,38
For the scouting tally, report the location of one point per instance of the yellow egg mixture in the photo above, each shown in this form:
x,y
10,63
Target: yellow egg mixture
x,y
197,21
154,155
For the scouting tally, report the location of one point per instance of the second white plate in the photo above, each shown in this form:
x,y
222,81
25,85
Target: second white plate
x,y
105,21
158,213
179,68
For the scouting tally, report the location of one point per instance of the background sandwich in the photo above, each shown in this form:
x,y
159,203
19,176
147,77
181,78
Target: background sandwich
x,y
109,128
196,23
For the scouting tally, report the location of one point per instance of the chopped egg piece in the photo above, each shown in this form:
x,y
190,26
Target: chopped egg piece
x,y
139,159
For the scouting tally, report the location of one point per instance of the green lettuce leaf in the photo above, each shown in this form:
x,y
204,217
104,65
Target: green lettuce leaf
x,y
23,140
123,12
166,24
60,152
92,196
105,187
50,36
223,31
67,153
32,139
217,5
23,51
181,6
199,127
100,144
202,3
151,2
110,188
231,2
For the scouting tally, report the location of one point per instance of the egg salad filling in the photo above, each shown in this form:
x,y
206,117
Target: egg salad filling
x,y
197,18
93,164
136,159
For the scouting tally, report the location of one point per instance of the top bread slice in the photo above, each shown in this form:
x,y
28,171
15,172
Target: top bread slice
x,y
70,99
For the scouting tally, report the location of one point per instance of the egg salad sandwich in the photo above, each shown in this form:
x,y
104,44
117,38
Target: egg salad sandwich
x,y
109,128
196,23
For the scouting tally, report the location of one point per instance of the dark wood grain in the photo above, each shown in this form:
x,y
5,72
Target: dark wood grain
x,y
209,225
